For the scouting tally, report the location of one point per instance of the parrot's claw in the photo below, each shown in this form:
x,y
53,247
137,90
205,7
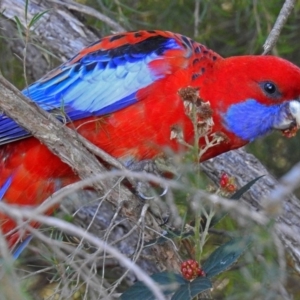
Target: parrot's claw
x,y
147,191
143,188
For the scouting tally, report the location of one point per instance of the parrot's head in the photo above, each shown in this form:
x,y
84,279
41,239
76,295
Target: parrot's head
x,y
252,95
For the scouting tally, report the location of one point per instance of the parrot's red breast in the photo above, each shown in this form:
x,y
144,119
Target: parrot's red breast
x,y
122,93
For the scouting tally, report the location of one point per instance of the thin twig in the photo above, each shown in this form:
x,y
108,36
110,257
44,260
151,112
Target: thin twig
x,y
79,232
196,18
280,22
287,184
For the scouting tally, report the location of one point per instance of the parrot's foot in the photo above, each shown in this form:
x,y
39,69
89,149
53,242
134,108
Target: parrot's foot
x,y
153,191
145,190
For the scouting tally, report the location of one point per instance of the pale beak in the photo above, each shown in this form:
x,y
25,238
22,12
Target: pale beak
x,y
290,119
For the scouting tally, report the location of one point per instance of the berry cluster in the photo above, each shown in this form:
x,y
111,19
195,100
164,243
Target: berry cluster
x,y
227,183
190,270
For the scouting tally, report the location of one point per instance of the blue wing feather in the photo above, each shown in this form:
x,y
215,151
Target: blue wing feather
x,y
5,187
98,83
20,247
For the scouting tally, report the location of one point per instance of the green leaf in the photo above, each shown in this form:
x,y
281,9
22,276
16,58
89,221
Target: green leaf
x,y
164,278
45,50
238,194
36,17
19,26
140,291
26,10
224,256
192,289
68,218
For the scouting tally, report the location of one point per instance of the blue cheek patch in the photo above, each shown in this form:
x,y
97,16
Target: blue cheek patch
x,y
250,119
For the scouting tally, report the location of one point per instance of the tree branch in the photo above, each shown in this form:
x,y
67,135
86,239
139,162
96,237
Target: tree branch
x,y
273,37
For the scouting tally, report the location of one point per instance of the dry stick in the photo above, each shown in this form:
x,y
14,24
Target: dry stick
x,y
287,184
241,211
196,17
280,22
112,161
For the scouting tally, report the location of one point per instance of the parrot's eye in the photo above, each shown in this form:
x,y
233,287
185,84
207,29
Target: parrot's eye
x,y
270,89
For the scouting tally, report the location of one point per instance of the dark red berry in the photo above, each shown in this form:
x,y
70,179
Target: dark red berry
x,y
231,188
201,273
190,269
224,180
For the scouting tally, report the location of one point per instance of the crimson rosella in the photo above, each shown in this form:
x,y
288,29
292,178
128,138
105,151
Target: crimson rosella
x,y
123,94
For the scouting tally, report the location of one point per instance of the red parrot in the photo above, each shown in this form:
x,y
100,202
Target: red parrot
x,y
123,94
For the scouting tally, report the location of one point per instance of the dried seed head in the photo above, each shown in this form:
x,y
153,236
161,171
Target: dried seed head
x,y
176,132
204,110
189,94
219,137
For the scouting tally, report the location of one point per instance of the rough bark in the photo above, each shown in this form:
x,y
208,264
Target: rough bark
x,y
58,31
